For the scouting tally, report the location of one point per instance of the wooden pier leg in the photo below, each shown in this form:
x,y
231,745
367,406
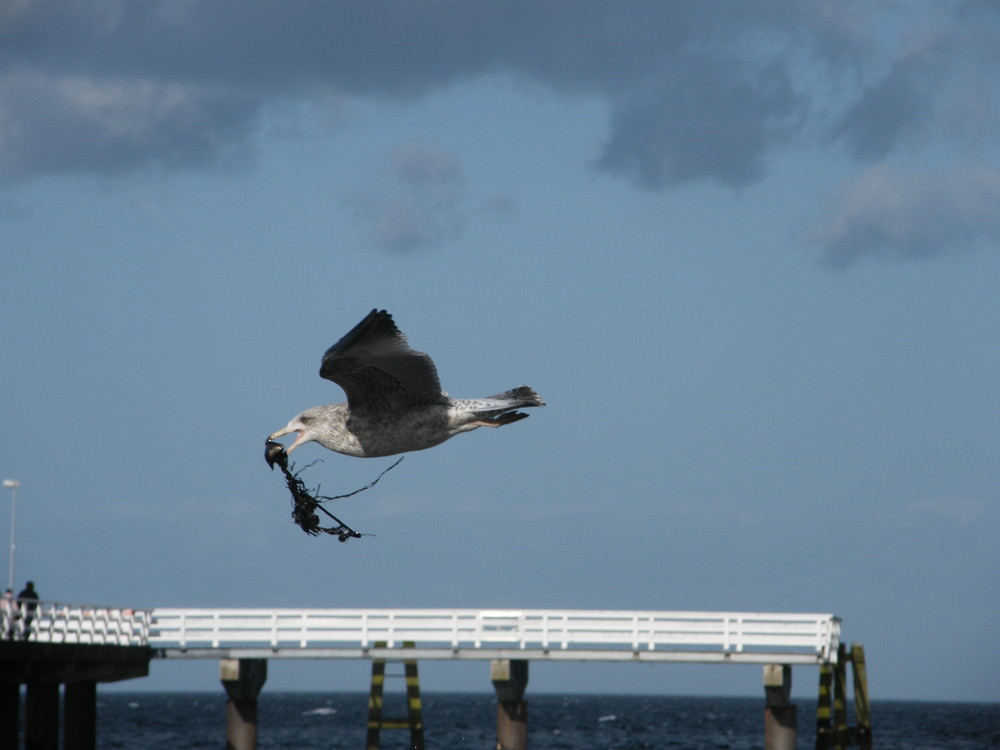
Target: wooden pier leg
x,y
375,699
510,678
80,716
10,713
824,707
862,709
242,679
780,716
414,708
41,726
841,740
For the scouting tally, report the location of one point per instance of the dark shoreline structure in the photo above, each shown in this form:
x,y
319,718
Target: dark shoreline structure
x,y
79,646
43,668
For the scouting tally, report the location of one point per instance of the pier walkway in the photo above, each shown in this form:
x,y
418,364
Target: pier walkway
x,y
555,635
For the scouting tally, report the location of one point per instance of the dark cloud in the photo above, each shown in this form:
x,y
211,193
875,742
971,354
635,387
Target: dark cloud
x,y
934,88
874,123
696,91
75,123
704,121
893,213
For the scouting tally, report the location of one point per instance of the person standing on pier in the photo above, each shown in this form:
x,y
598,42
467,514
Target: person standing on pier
x,y
28,601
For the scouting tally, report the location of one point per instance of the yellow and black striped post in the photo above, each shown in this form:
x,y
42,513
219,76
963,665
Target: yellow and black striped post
x,y
862,710
824,707
832,729
414,718
840,734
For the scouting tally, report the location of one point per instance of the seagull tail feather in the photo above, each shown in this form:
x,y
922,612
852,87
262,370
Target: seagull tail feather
x,y
516,398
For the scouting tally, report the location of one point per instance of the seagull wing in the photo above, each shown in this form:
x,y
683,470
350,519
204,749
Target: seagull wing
x,y
378,370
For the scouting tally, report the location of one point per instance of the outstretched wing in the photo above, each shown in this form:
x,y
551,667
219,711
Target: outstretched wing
x,y
378,370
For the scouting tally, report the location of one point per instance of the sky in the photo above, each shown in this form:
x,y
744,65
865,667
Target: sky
x,y
748,253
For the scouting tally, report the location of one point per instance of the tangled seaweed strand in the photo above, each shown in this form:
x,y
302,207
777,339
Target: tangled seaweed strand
x,y
305,504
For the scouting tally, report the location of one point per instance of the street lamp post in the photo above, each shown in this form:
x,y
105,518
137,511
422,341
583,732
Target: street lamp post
x,y
13,484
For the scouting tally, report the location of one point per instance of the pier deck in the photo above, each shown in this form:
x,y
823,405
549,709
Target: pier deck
x,y
555,635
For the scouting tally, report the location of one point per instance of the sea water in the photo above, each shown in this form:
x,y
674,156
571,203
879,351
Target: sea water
x,y
307,720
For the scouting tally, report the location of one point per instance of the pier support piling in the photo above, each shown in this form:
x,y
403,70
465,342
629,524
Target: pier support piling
x,y
824,708
242,679
862,709
377,721
43,666
510,679
780,716
10,713
41,725
80,716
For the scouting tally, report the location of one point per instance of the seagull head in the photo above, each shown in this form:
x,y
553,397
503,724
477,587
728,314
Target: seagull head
x,y
308,425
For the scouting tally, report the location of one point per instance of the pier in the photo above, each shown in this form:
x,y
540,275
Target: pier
x,y
243,640
75,646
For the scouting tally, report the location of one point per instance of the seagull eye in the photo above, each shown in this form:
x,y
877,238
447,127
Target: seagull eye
x,y
305,419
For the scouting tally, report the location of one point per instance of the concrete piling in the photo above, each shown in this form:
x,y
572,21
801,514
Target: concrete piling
x,y
80,716
780,716
10,713
242,679
41,716
510,678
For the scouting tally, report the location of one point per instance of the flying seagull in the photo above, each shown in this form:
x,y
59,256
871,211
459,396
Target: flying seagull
x,y
394,399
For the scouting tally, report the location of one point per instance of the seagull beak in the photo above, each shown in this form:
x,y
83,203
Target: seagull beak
x,y
285,431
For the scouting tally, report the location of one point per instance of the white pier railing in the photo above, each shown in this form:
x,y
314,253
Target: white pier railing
x,y
59,622
578,635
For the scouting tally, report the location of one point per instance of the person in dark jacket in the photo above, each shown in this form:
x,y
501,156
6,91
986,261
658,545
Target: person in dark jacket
x,y
28,601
